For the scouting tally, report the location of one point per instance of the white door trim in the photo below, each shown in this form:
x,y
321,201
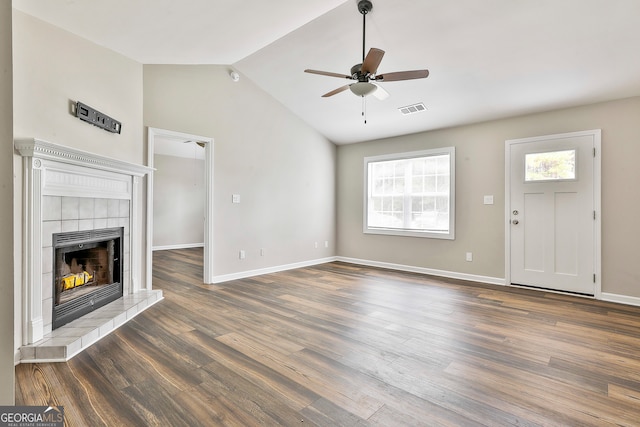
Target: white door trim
x,y
152,133
596,133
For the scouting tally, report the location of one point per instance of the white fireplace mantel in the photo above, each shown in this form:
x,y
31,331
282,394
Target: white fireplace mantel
x,y
54,170
39,149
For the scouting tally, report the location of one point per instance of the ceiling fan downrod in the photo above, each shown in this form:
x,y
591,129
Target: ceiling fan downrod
x,y
364,7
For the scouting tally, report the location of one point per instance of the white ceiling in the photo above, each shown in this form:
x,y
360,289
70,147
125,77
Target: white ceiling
x,y
488,59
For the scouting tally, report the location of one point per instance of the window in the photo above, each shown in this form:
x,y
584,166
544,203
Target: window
x,y
411,194
550,166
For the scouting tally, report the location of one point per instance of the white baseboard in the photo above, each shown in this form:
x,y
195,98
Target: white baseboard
x,y
423,270
621,299
181,246
267,270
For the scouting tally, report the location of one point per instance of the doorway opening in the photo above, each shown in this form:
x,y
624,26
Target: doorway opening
x,y
206,143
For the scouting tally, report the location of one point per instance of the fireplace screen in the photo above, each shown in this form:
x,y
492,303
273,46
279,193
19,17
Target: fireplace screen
x,y
87,272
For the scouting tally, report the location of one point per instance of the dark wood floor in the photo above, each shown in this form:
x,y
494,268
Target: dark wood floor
x,y
342,345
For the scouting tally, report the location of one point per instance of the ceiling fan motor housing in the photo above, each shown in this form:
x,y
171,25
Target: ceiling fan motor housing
x,y
356,73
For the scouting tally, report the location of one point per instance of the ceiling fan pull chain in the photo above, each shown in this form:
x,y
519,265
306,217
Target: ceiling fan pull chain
x,y
364,109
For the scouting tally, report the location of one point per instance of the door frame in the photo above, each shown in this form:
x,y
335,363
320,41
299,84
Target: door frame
x,y
152,133
597,160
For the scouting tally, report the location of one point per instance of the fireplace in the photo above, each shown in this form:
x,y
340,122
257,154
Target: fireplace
x,y
89,208
87,272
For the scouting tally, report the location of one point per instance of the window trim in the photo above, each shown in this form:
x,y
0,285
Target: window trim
x,y
450,235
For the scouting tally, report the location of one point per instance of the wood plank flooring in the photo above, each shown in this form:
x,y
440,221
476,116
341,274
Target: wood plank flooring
x,y
344,345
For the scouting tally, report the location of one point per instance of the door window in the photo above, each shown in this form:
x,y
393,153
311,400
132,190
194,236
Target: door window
x,y
550,166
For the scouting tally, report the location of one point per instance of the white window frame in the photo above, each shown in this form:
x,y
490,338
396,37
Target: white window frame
x,y
433,234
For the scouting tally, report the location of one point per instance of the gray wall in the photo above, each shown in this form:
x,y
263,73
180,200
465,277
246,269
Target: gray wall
x,y
283,170
480,171
7,394
178,201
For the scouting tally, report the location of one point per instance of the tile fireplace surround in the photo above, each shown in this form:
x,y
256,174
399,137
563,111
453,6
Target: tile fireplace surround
x,y
65,189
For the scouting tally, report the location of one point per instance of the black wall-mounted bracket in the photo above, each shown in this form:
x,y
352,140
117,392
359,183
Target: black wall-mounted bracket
x,y
96,118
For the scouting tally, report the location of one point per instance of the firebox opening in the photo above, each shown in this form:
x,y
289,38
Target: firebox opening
x,y
88,272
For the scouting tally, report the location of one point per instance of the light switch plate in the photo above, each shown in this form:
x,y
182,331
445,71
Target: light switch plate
x,y
235,198
488,200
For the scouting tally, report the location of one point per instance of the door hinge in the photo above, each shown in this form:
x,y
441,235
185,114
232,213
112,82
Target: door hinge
x,y
594,214
594,151
594,277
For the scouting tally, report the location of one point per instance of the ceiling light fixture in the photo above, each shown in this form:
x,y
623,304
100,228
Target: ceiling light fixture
x,y
363,88
234,76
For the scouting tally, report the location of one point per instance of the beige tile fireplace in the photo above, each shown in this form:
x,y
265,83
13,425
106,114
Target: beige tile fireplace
x,y
68,190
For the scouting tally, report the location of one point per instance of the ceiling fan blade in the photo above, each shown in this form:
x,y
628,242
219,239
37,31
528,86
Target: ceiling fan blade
x,y
327,73
372,61
380,93
333,92
403,75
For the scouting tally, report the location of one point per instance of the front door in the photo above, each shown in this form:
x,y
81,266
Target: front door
x,y
552,212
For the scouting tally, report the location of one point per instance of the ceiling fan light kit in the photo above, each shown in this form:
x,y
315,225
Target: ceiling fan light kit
x,y
363,88
365,72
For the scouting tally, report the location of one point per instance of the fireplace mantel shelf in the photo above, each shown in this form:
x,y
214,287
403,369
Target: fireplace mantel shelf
x,y
40,149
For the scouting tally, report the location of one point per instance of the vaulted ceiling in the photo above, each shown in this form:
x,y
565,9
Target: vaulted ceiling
x,y
487,59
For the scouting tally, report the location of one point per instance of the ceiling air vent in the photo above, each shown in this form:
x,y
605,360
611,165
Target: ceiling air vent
x,y
414,108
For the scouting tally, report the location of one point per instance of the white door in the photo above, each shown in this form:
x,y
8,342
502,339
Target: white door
x,y
552,212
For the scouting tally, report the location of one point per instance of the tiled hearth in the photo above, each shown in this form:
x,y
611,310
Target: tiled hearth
x,y
67,190
70,339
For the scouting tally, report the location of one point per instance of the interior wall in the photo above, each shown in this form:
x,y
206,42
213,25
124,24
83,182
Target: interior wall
x,y
52,69
7,394
480,171
283,170
178,201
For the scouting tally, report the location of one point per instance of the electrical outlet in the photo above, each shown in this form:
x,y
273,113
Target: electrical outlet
x,y
316,245
469,256
326,243
261,251
242,254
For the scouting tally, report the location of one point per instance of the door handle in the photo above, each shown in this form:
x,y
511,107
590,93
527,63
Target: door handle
x,y
515,222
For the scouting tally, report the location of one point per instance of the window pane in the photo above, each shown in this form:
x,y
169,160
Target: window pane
x,y
443,165
554,165
442,204
443,184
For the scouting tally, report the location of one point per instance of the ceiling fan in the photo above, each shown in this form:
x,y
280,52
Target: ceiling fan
x,y
365,73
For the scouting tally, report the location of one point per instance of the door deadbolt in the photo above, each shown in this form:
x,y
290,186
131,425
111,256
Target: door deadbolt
x,y
515,212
